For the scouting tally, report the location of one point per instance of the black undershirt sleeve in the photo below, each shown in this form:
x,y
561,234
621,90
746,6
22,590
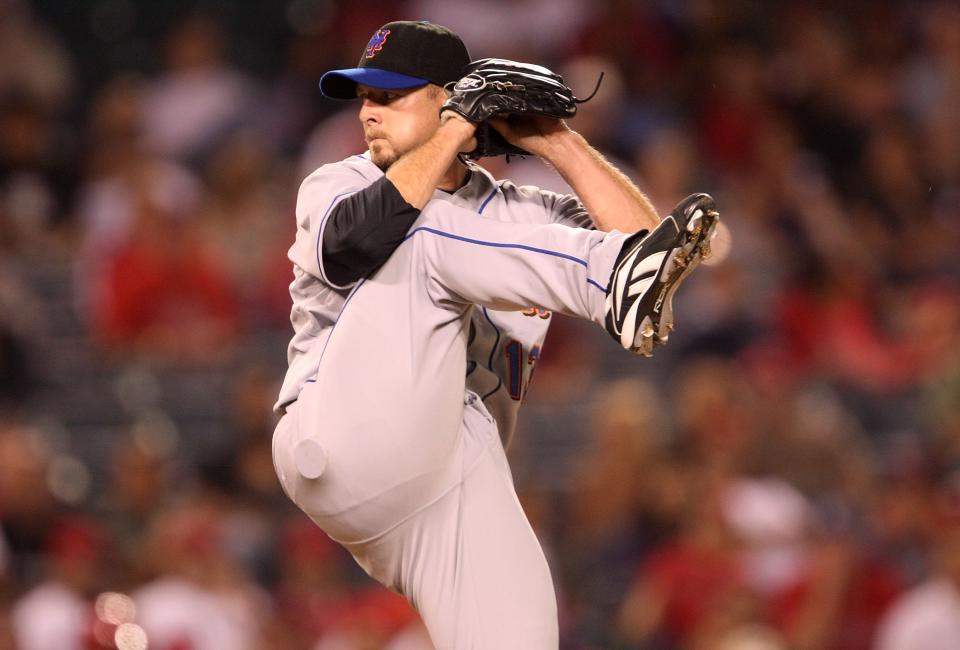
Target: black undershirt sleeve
x,y
363,231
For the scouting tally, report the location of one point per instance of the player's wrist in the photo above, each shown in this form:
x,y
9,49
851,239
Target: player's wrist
x,y
559,144
450,116
458,128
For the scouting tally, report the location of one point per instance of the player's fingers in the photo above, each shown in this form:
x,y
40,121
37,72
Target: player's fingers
x,y
448,114
469,146
500,124
513,127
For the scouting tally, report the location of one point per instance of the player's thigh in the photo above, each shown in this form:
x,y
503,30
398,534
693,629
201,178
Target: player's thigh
x,y
494,578
474,568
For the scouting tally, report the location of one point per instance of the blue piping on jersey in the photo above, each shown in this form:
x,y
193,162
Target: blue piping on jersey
x,y
493,351
493,244
487,200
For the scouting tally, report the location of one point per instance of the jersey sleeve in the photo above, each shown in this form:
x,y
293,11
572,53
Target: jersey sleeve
x,y
363,230
348,224
567,210
319,195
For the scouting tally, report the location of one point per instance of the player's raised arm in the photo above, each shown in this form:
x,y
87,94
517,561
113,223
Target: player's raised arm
x,y
433,164
613,201
526,104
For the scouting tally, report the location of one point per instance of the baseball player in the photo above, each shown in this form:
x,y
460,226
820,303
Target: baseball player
x,y
422,292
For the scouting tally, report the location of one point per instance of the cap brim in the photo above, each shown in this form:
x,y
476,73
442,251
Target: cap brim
x,y
342,84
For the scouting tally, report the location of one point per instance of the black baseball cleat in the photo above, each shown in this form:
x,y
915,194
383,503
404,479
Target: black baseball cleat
x,y
651,267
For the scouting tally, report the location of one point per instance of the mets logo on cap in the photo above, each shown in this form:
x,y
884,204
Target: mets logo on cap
x,y
376,42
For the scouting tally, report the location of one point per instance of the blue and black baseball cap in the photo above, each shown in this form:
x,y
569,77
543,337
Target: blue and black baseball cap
x,y
402,54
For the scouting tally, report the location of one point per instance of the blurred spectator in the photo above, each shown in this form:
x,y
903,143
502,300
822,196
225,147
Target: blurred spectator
x,y
642,41
164,295
313,593
140,485
200,599
733,110
27,507
686,581
930,82
333,139
21,320
33,61
666,163
928,616
290,107
37,173
538,29
245,469
772,520
606,523
199,98
244,221
58,614
120,177
716,412
320,607
839,599
242,477
375,617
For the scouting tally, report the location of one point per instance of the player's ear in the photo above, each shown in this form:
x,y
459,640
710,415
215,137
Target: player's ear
x,y
440,93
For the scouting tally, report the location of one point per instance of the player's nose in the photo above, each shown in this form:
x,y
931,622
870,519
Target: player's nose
x,y
369,111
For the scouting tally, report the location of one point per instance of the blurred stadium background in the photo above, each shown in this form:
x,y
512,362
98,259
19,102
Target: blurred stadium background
x,y
785,474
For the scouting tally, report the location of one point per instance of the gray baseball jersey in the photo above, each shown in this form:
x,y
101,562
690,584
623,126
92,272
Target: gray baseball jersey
x,y
504,345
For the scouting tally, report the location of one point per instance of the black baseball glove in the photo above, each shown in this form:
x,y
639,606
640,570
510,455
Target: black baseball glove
x,y
492,87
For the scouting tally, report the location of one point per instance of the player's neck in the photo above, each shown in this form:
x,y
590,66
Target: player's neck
x,y
455,177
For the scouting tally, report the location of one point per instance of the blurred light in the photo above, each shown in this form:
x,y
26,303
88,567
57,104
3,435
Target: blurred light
x,y
309,16
51,431
137,389
156,433
130,636
68,479
113,19
115,608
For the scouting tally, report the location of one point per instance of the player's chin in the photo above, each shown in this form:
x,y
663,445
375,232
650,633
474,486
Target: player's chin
x,y
382,156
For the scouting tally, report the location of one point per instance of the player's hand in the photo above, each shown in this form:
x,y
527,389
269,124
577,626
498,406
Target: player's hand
x,y
461,128
533,133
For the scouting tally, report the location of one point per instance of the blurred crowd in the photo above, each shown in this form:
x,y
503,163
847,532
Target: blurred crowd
x,y
785,474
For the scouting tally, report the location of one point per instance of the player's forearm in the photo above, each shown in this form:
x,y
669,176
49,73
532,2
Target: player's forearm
x,y
613,201
417,174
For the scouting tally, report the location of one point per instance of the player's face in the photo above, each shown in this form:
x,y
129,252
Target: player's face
x,y
397,121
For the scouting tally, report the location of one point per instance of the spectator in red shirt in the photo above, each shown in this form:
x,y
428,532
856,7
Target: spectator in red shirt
x,y
163,294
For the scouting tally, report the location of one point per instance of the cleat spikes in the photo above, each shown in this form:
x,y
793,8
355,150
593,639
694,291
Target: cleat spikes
x,y
639,312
